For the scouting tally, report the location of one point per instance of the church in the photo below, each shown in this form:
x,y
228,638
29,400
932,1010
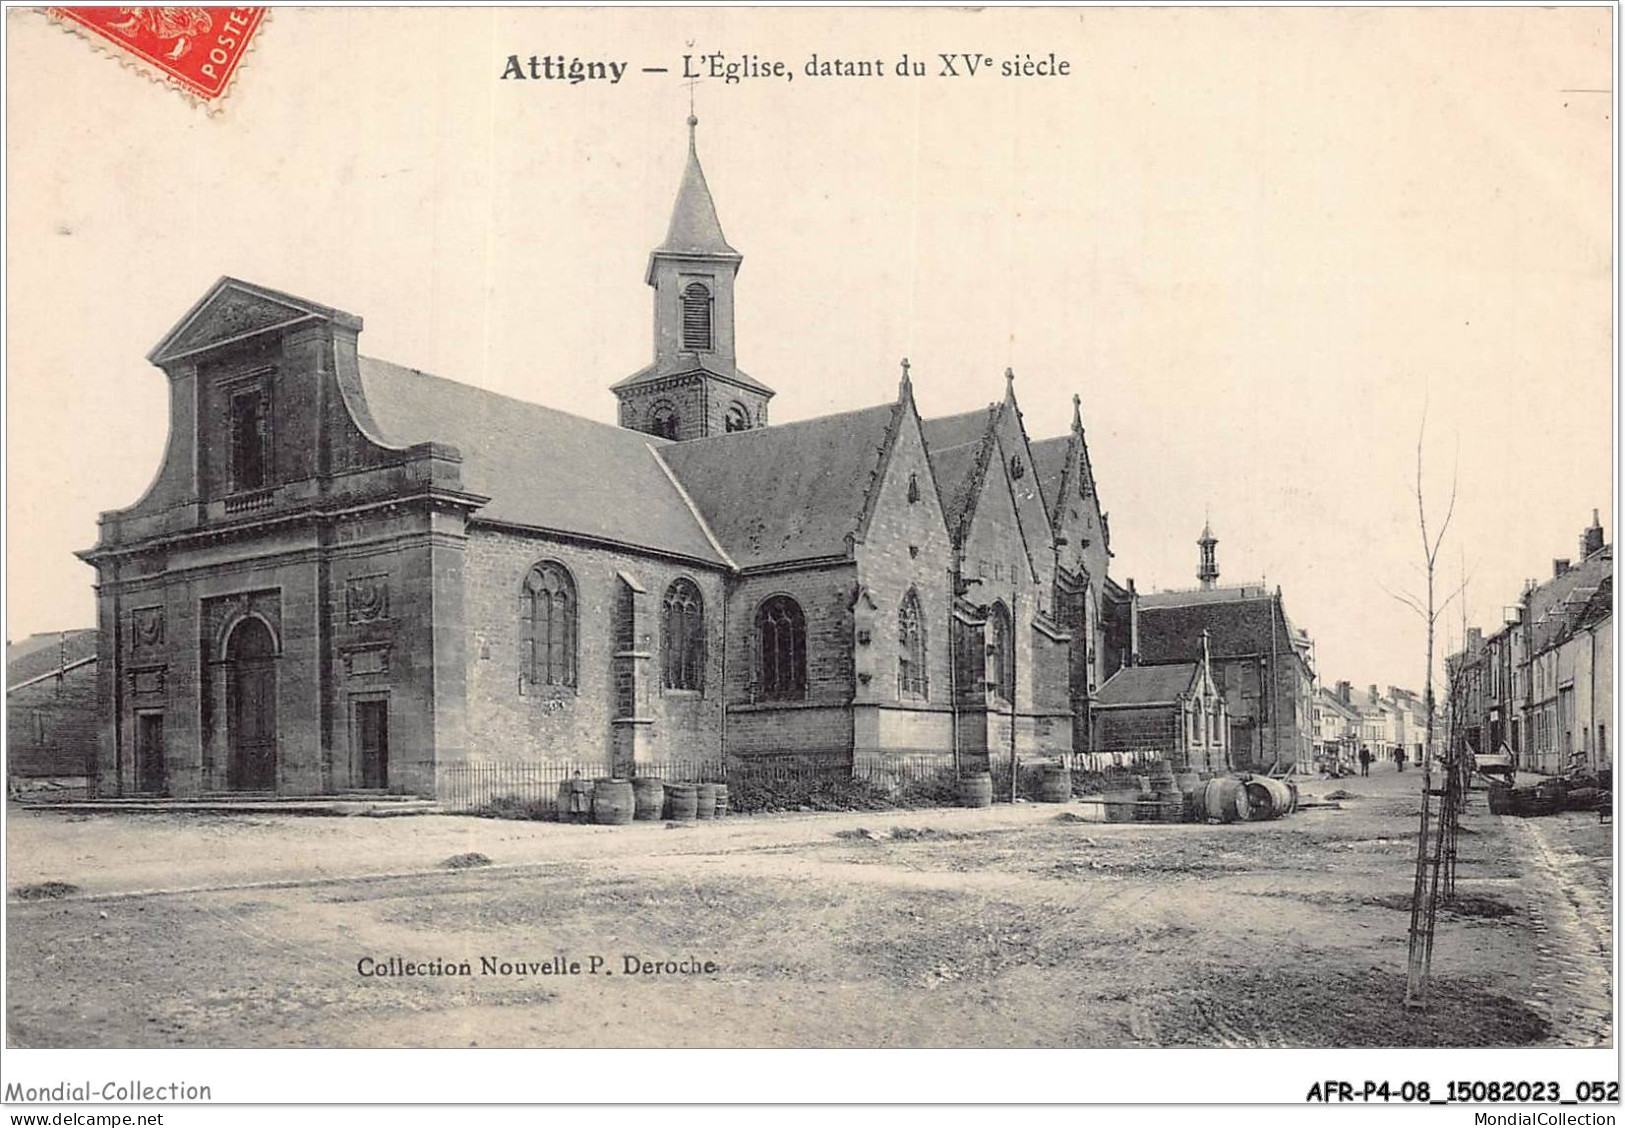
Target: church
x,y
352,575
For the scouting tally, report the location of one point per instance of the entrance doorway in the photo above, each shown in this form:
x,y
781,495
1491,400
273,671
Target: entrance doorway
x,y
371,729
149,753
251,707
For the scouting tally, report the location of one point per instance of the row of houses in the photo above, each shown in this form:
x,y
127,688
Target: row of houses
x,y
1540,688
1381,723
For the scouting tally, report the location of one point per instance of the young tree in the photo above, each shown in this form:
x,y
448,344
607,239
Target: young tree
x,y
1425,892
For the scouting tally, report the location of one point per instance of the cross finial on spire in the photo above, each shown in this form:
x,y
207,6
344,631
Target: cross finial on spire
x,y
1077,411
905,386
1009,379
692,120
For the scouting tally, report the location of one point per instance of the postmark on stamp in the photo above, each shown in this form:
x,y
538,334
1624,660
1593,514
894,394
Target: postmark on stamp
x,y
195,50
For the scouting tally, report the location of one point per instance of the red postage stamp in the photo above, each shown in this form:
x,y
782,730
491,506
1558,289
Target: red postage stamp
x,y
195,49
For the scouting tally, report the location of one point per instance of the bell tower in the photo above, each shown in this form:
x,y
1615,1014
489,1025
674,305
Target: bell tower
x,y
1208,572
694,388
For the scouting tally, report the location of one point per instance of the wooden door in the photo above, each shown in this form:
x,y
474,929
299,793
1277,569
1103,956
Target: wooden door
x,y
372,742
251,708
149,753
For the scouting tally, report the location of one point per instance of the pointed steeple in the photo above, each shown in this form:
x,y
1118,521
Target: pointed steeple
x,y
694,228
694,387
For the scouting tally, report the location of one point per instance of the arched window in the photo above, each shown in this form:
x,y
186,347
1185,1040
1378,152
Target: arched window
x,y
781,635
736,418
696,318
663,419
911,681
1000,643
682,637
1218,726
913,488
547,614
1017,469
1196,720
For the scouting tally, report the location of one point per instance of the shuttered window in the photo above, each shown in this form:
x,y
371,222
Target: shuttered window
x,y
696,318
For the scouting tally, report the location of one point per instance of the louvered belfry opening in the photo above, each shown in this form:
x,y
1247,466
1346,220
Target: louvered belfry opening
x,y
696,318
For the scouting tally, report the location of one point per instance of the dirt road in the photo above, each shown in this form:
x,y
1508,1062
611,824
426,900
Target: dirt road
x,y
1007,927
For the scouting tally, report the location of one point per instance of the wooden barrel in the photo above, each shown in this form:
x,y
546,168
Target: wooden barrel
x,y
1188,781
976,790
1269,798
722,799
1500,799
612,801
1121,805
1171,805
1260,800
1224,800
681,802
648,798
705,800
1055,784
575,800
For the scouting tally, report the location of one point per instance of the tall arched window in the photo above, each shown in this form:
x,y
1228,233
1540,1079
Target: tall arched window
x,y
781,635
547,613
911,680
736,418
1000,641
663,419
696,317
682,637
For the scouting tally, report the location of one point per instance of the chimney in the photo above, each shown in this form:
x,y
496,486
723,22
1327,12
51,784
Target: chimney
x,y
1373,692
1559,566
1345,692
1591,538
1475,639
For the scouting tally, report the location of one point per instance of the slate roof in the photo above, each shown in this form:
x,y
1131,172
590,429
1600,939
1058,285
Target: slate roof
x,y
1557,606
694,228
541,468
41,654
1147,685
1050,461
796,491
1194,596
1235,627
953,443
1331,701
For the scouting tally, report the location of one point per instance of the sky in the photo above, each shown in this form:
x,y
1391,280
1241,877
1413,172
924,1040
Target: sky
x,y
1260,244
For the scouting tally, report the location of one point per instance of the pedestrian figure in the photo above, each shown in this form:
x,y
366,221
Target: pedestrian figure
x,y
1365,761
1399,758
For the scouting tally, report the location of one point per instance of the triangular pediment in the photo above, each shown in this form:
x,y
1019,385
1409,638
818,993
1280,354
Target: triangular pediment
x,y
233,310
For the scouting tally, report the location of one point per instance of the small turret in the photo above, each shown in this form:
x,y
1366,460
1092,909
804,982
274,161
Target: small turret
x,y
1208,572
